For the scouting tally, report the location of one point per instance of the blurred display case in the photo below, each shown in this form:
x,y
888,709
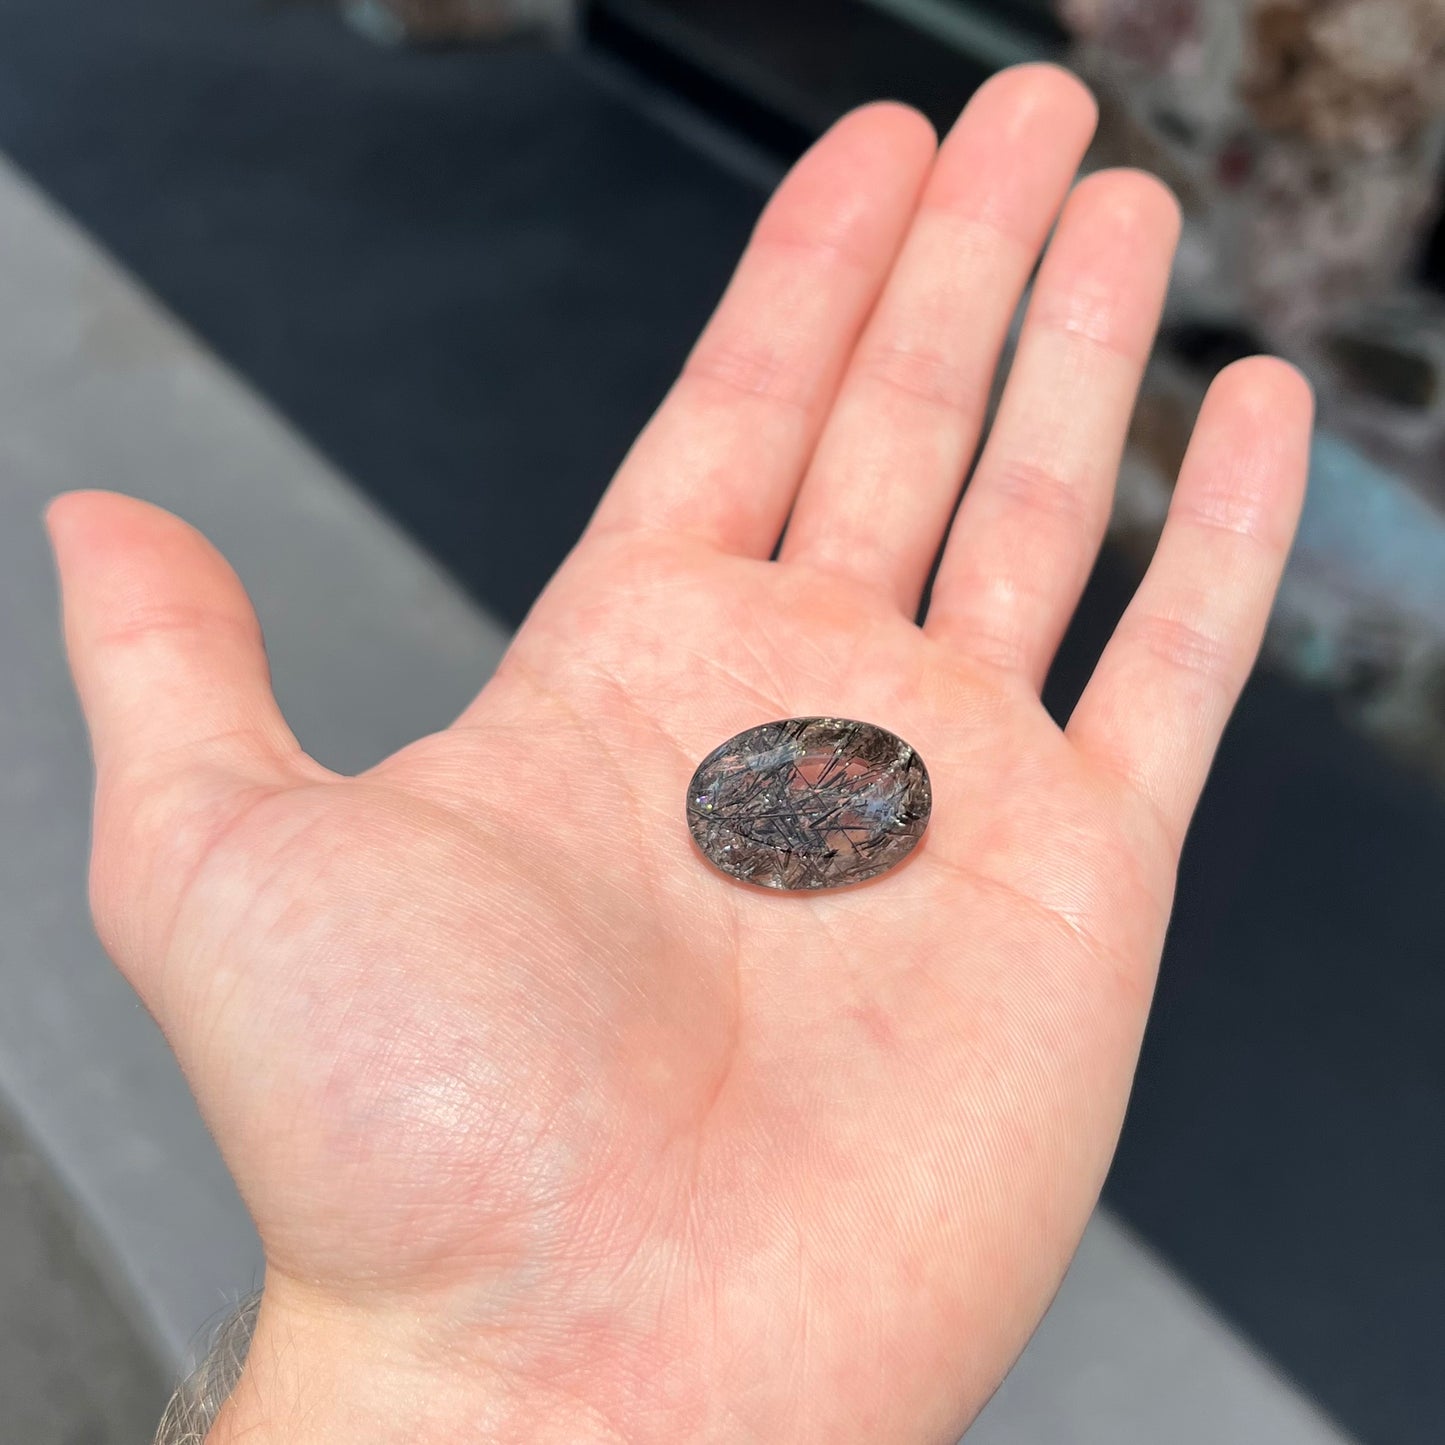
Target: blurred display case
x,y
784,71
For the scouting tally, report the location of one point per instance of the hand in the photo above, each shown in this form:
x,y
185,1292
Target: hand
x,y
552,1132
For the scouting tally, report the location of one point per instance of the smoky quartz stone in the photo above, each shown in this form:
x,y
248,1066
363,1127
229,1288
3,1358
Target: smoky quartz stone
x,y
810,802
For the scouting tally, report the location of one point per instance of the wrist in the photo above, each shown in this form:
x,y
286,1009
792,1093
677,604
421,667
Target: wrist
x,y
318,1372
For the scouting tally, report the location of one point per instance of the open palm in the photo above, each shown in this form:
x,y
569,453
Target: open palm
x,y
550,1130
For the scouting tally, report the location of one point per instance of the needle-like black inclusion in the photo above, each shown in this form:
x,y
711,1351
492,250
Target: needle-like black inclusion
x,y
810,802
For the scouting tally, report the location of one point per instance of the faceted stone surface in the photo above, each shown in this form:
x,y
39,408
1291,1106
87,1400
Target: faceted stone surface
x,y
810,802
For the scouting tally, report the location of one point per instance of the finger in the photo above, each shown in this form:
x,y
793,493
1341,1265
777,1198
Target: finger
x,y
1030,524
1164,688
722,458
163,643
892,457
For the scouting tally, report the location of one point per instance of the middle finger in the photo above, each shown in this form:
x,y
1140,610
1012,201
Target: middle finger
x,y
889,465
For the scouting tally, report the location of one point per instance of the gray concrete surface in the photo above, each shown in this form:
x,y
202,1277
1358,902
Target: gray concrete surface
x,y
1128,1355
73,1370
370,647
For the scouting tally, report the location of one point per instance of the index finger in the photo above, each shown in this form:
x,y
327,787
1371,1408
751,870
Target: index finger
x,y
723,456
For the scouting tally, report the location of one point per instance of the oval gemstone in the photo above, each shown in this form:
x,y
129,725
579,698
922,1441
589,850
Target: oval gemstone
x,y
810,802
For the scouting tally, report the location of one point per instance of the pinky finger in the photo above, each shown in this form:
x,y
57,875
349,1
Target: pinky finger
x,y
1164,689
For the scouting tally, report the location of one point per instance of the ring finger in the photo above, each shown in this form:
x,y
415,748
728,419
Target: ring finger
x,y
1033,516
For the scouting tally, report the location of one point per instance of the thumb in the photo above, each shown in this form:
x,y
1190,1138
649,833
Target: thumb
x,y
173,680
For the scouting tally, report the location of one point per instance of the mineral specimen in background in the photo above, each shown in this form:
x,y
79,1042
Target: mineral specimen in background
x,y
1306,140
1306,137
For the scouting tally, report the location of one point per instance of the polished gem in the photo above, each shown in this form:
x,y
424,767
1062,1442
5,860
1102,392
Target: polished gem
x,y
811,802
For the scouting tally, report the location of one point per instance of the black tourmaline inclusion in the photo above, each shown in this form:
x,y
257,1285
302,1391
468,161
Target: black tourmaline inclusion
x,y
812,802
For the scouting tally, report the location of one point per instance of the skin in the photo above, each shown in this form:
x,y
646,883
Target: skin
x,y
551,1132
